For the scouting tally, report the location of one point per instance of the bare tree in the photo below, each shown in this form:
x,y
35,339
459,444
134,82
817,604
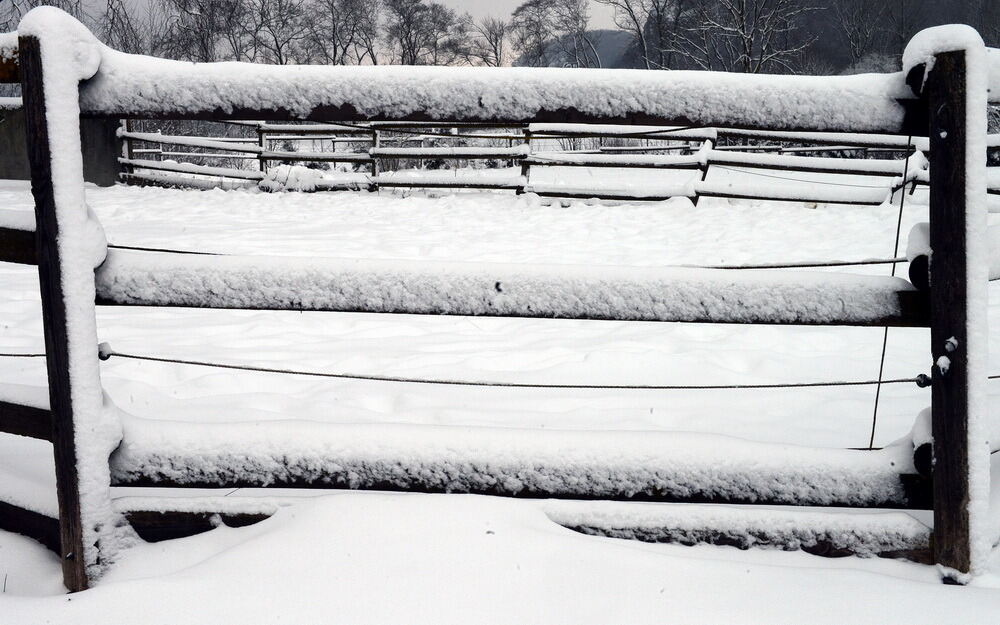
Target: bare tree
x,y
278,29
205,30
405,28
369,31
749,36
487,42
11,11
334,28
571,29
903,19
548,32
531,30
422,33
446,35
653,25
121,30
862,23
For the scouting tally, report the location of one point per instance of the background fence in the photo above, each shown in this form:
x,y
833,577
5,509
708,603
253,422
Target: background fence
x,y
660,162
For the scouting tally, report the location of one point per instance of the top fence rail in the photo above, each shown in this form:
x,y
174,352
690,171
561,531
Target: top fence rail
x,y
127,85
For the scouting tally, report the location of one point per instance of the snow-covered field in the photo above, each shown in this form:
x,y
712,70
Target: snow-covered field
x,y
357,558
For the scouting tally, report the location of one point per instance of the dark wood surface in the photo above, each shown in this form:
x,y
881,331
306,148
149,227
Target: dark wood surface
x,y
9,71
156,526
17,246
914,121
949,310
53,315
25,421
916,489
28,523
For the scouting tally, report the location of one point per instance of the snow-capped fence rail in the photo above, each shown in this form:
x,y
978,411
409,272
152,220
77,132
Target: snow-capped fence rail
x,y
65,72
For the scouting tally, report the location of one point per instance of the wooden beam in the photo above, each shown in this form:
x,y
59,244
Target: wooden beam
x,y
946,91
9,70
913,122
17,246
25,421
915,487
156,526
54,318
32,524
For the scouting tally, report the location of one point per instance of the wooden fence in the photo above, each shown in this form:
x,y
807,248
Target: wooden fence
x,y
952,305
530,146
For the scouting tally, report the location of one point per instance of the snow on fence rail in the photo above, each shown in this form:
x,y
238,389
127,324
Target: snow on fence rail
x,y
65,72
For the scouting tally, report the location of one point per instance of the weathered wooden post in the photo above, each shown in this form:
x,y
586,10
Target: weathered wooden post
x,y
373,185
262,143
708,145
54,317
525,162
952,404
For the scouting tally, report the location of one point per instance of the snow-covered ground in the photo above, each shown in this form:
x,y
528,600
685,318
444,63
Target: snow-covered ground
x,y
357,558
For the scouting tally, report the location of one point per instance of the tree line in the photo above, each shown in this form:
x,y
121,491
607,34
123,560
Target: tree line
x,y
751,36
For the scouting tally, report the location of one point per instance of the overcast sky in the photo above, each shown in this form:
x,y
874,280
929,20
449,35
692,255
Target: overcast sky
x,y
600,15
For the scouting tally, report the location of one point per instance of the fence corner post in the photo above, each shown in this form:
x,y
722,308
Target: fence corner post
x,y
955,351
54,316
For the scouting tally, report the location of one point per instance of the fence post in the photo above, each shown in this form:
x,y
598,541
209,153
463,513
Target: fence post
x,y
710,144
376,142
262,143
945,89
54,318
525,162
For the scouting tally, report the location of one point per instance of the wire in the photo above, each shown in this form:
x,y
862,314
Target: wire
x,y
632,135
811,182
895,251
793,265
159,249
22,355
107,353
807,264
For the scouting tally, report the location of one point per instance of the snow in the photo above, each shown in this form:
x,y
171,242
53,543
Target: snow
x,y
497,289
709,583
508,461
70,54
192,168
17,219
439,559
993,59
8,45
866,532
291,178
135,83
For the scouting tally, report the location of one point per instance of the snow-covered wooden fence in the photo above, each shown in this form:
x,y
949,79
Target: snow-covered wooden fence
x,y
697,147
66,73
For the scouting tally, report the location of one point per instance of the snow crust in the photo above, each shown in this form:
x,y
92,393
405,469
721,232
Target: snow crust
x,y
17,219
507,461
866,533
428,287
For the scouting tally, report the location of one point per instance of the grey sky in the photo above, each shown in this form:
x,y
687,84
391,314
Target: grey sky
x,y
600,15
